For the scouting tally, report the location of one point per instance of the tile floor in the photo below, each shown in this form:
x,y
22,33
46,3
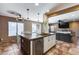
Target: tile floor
x,y
61,48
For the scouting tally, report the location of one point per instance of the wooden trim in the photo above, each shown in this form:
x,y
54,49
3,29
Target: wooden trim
x,y
67,10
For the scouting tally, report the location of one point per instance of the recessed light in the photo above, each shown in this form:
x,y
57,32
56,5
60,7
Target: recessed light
x,y
36,4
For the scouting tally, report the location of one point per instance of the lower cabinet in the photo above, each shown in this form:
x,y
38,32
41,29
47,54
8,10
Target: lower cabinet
x,y
52,41
46,41
64,37
49,42
25,46
37,46
34,47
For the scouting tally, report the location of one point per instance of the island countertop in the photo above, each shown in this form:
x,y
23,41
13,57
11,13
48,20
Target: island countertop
x,y
35,36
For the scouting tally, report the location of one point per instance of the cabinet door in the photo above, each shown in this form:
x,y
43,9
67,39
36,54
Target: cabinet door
x,y
38,47
51,41
45,44
25,46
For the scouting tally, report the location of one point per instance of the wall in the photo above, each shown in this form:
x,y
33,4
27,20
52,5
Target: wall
x,y
4,29
74,26
53,27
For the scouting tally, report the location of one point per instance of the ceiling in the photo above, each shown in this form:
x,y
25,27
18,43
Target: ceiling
x,y
72,16
34,10
22,9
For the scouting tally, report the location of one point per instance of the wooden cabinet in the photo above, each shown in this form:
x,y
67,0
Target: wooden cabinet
x,y
25,46
38,47
34,47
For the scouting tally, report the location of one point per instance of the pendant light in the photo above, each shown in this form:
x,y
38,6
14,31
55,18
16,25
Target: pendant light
x,y
27,14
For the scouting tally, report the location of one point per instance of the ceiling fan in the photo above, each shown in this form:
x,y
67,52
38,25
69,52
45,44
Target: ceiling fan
x,y
19,16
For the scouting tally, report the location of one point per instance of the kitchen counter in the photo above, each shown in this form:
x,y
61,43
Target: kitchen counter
x,y
64,36
64,32
34,36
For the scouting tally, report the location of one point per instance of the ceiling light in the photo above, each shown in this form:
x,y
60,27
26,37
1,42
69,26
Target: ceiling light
x,y
47,10
36,4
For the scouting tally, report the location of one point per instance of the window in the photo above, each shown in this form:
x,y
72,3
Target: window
x,y
36,28
12,28
20,28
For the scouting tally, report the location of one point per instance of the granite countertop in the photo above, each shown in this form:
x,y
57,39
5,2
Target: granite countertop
x,y
35,36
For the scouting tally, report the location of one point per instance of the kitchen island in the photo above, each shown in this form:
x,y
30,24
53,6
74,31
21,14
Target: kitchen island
x,y
37,44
